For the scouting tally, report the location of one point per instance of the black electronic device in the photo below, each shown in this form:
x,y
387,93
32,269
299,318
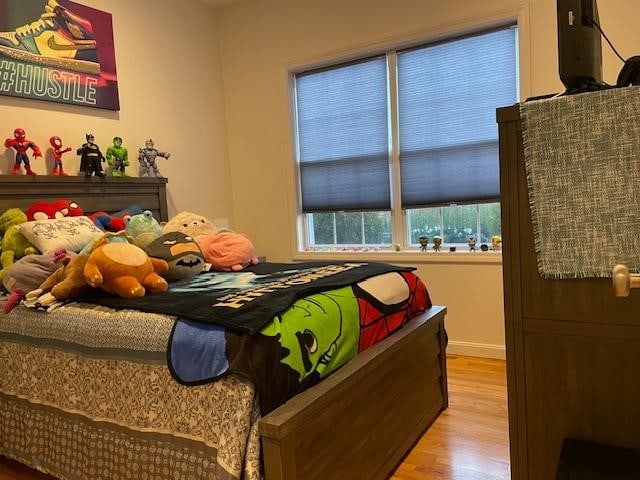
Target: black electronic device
x,y
630,73
579,45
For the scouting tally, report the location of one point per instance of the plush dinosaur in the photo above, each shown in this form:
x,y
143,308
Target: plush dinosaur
x,y
14,244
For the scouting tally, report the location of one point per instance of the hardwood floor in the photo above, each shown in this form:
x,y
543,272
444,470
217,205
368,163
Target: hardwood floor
x,y
469,441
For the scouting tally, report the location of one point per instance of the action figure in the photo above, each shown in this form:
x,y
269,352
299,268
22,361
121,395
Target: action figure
x,y
56,143
471,241
424,241
90,157
437,243
21,144
496,241
147,159
118,158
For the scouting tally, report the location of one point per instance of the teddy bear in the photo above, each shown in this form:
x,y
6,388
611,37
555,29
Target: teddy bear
x,y
228,251
125,270
14,244
191,224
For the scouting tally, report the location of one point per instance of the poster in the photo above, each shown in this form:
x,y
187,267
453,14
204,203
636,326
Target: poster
x,y
57,51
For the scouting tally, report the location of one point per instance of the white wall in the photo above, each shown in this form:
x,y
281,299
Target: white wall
x,y
170,89
211,87
261,39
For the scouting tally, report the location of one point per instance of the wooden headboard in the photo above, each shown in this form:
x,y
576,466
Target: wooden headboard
x,y
92,194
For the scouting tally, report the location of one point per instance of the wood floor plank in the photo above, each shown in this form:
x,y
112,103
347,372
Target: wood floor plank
x,y
469,441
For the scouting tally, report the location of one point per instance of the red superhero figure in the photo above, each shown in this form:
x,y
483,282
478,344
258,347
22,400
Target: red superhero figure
x,y
21,144
56,143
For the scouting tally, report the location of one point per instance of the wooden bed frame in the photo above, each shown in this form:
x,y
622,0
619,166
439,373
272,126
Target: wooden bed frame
x,y
93,194
359,422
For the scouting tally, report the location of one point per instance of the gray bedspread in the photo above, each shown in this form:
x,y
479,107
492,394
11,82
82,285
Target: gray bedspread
x,y
85,393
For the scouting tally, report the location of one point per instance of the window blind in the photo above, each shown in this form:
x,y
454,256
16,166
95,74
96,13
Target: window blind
x,y
343,137
447,99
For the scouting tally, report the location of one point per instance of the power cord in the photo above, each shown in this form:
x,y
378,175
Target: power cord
x,y
630,73
593,22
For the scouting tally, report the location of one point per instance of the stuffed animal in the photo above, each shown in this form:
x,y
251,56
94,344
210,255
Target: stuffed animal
x,y
228,251
114,222
68,280
131,210
14,244
58,209
191,224
64,284
143,228
181,252
110,237
107,222
29,272
125,269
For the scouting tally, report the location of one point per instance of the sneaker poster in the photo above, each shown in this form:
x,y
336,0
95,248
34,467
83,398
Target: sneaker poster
x,y
58,51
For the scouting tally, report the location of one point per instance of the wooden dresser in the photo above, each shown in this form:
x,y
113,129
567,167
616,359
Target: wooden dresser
x,y
573,348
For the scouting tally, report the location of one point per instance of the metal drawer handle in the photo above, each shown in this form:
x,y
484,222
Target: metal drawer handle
x,y
623,281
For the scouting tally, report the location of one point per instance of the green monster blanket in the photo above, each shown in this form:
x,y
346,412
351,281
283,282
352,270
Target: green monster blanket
x,y
298,347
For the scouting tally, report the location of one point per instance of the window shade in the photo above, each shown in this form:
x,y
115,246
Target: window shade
x,y
343,137
447,99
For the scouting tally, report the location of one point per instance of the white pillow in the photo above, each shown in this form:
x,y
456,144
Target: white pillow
x,y
72,233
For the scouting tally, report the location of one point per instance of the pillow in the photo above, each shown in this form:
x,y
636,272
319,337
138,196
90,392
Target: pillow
x,y
70,233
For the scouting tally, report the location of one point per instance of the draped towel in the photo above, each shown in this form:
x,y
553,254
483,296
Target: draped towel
x,y
582,158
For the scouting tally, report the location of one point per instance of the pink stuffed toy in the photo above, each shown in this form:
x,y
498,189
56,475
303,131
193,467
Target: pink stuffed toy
x,y
228,251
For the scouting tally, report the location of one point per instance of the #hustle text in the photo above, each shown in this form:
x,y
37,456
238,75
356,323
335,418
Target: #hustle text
x,y
46,83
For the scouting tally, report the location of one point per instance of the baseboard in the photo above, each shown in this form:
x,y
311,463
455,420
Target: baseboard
x,y
470,349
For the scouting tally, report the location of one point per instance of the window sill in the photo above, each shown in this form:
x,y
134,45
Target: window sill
x,y
464,257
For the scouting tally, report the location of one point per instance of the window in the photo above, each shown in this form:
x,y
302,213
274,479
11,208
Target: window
x,y
405,144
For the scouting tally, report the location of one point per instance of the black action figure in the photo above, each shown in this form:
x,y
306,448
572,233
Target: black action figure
x,y
90,159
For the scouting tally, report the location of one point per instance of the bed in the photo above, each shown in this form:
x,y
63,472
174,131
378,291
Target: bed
x,y
357,423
